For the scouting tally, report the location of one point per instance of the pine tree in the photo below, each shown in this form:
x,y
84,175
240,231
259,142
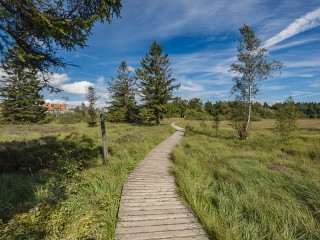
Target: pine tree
x,y
92,98
40,28
122,93
252,67
156,81
20,93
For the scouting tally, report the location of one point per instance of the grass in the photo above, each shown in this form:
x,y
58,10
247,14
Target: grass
x,y
71,195
255,189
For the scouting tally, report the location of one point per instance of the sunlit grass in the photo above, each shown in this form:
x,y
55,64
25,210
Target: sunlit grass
x,y
255,189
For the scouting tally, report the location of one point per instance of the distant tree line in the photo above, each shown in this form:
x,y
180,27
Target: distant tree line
x,y
196,109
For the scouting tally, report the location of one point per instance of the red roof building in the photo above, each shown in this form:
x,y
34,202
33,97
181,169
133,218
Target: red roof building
x,y
55,106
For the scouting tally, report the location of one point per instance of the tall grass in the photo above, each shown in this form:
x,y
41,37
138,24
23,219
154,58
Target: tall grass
x,y
255,189
81,205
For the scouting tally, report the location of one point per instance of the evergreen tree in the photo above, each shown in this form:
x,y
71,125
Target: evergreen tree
x,y
252,67
40,28
155,81
92,98
20,93
122,93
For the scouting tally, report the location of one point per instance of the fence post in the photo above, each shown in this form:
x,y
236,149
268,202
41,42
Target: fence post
x,y
104,139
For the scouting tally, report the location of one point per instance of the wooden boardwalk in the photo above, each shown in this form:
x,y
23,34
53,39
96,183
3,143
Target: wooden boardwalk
x,y
150,207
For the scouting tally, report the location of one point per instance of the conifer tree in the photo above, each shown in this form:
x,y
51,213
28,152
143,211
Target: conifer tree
x,y
156,81
20,93
41,28
92,98
122,93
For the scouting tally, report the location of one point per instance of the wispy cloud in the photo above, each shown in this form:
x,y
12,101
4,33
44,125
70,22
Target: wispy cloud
x,y
304,23
78,55
315,85
190,86
273,87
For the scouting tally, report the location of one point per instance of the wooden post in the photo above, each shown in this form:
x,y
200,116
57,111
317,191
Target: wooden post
x,y
104,139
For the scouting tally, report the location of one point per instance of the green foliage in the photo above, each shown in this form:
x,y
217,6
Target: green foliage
x,y
217,118
252,67
252,189
239,119
122,94
82,110
20,93
146,115
155,81
189,130
39,28
177,108
195,104
286,118
92,98
70,118
194,115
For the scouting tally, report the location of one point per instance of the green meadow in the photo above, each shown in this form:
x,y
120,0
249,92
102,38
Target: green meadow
x,y
56,186
261,188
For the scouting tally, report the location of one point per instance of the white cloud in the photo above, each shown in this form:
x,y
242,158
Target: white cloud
x,y
100,80
56,79
54,101
304,23
131,69
76,87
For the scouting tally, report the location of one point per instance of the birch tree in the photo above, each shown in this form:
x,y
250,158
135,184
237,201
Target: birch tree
x,y
251,68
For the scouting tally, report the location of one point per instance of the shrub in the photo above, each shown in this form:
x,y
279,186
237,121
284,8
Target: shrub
x,y
286,119
70,118
194,115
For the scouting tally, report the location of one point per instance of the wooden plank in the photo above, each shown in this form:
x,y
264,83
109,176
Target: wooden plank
x,y
150,207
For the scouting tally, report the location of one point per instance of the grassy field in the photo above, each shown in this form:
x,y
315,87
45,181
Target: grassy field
x,y
69,194
256,189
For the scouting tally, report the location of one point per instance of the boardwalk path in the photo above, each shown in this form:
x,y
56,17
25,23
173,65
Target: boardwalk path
x,y
150,207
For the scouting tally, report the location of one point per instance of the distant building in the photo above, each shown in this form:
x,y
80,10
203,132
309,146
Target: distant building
x,y
56,107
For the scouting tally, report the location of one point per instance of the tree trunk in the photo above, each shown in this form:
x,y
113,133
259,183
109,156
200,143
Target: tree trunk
x,y
157,119
249,116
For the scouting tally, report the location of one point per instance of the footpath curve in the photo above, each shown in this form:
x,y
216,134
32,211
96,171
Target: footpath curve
x,y
150,207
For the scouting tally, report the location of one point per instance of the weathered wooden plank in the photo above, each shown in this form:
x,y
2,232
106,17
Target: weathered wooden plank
x,y
182,234
159,228
150,207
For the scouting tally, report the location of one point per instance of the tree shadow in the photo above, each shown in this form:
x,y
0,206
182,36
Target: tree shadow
x,y
45,164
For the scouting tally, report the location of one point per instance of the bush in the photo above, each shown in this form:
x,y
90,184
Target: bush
x,y
117,116
70,118
286,118
194,115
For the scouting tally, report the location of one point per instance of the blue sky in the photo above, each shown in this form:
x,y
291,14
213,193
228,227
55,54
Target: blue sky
x,y
199,37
